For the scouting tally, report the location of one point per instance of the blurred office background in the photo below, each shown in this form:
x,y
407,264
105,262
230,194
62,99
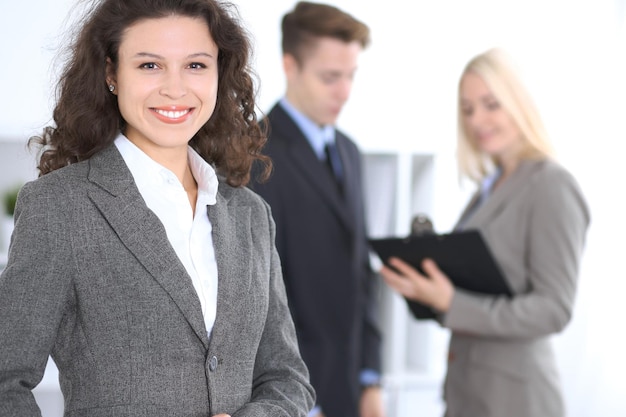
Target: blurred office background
x,y
402,114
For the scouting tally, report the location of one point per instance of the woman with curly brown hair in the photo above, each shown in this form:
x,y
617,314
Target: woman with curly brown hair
x,y
139,260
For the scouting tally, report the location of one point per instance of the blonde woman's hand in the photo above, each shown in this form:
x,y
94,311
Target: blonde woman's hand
x,y
433,289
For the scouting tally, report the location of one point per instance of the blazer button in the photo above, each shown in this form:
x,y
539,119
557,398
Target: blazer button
x,y
213,363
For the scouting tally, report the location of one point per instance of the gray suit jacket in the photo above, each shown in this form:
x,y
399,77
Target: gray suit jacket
x,y
92,280
500,360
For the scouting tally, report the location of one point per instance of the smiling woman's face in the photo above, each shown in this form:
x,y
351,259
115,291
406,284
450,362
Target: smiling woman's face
x,y
490,126
166,81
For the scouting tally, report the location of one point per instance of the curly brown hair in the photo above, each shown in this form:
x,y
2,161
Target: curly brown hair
x,y
87,118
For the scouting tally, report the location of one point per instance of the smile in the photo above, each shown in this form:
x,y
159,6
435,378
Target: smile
x,y
172,116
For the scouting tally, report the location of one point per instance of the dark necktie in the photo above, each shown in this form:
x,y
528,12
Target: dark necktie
x,y
334,163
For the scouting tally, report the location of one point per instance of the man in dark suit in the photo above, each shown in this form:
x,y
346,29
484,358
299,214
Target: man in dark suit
x,y
315,194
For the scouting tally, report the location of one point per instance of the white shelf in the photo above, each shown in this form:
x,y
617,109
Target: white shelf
x,y
399,185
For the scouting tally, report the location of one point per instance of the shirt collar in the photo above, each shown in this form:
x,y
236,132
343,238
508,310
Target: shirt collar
x,y
148,172
317,136
486,187
205,176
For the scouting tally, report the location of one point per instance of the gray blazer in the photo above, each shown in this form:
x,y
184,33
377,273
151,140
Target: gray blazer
x,y
500,359
92,280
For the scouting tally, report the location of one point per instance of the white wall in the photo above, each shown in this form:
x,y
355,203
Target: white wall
x,y
573,53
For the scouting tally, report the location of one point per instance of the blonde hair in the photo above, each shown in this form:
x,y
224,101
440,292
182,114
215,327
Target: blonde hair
x,y
497,71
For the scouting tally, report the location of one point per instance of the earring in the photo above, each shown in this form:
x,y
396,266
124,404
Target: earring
x,y
111,87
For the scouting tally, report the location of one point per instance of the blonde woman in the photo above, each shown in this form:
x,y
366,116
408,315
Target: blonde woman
x,y
534,218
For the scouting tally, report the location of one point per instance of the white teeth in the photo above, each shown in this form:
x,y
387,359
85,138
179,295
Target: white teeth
x,y
172,114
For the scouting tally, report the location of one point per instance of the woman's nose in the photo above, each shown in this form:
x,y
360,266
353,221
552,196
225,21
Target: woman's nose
x,y
173,85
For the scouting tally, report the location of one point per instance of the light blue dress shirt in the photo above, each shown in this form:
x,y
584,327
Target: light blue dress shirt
x,y
317,136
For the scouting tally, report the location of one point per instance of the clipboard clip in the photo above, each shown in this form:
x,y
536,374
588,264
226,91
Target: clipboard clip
x,y
421,225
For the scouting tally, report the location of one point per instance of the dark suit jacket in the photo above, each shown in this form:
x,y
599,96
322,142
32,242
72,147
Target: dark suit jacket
x,y
92,280
321,239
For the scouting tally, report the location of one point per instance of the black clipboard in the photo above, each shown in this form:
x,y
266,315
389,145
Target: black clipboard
x,y
464,256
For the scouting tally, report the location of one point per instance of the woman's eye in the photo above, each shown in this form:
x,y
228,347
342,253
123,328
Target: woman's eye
x,y
148,65
197,65
493,105
467,111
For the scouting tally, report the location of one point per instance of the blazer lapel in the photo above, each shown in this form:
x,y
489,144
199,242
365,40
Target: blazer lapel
x,y
309,165
231,239
140,230
503,195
